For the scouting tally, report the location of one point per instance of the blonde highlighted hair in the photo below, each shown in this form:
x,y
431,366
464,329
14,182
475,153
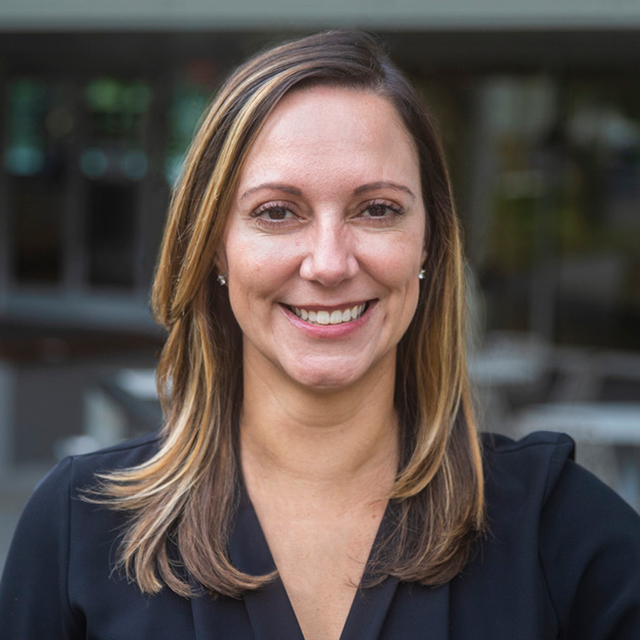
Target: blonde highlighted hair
x,y
182,502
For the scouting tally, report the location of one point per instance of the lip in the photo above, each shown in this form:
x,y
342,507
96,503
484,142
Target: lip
x,y
330,330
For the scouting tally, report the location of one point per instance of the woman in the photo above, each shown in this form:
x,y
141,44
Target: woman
x,y
319,474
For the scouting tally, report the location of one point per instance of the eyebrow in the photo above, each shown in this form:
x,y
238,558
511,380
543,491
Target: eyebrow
x,y
372,186
272,185
384,184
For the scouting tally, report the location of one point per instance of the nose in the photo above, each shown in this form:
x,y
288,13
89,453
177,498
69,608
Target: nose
x,y
330,258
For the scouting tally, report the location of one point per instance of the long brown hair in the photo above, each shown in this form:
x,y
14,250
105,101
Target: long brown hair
x,y
187,493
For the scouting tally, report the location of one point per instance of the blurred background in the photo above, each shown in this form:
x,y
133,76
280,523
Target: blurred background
x,y
539,107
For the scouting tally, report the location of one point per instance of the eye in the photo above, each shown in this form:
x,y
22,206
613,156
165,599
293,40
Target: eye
x,y
381,210
273,212
378,211
275,215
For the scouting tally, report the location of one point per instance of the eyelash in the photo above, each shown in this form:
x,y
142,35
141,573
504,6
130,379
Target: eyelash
x,y
396,210
273,206
383,220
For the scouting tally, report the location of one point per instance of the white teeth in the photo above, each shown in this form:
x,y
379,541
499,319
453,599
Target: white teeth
x,y
337,316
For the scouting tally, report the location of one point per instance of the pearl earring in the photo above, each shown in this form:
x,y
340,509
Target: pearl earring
x,y
222,279
422,274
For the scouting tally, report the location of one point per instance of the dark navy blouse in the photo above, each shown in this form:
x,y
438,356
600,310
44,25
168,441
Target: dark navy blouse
x,y
561,561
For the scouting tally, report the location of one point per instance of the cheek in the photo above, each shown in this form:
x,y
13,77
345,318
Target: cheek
x,y
253,251
256,272
247,260
398,271
396,263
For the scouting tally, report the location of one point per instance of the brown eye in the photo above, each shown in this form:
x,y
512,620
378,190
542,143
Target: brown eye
x,y
379,210
273,213
276,213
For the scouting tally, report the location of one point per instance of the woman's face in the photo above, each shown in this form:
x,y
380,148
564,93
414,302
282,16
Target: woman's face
x,y
325,239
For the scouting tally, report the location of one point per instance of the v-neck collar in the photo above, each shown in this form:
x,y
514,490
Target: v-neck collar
x,y
386,611
270,610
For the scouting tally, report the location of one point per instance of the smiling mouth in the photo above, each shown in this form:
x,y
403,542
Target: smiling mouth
x,y
331,316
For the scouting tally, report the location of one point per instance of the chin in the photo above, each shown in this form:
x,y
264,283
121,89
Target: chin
x,y
326,379
325,383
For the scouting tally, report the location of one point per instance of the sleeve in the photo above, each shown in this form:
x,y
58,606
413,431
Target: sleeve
x,y
590,553
33,593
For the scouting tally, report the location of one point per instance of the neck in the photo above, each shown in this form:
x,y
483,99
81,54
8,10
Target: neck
x,y
304,440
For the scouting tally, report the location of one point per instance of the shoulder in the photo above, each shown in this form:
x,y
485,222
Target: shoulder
x,y
64,484
129,453
539,473
73,474
536,460
62,557
522,474
583,538
542,467
59,511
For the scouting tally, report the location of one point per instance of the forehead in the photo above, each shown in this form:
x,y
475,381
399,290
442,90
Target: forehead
x,y
336,130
